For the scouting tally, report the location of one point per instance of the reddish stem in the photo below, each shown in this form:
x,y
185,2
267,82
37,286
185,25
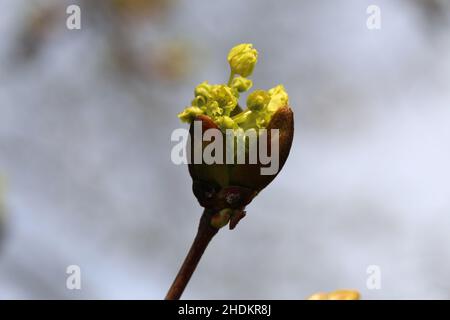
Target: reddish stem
x,y
204,235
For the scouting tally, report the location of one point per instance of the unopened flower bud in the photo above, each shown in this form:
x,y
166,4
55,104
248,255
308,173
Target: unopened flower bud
x,y
242,59
221,218
241,84
189,114
226,122
258,100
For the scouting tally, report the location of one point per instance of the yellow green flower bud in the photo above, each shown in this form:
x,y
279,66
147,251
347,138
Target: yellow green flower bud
x,y
213,100
204,90
225,98
226,122
199,101
241,84
242,59
213,110
278,98
262,105
258,100
189,114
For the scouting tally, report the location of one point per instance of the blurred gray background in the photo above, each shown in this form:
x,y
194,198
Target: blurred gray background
x,y
85,123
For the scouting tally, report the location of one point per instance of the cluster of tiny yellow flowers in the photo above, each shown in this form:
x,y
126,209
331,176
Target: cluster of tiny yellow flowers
x,y
220,101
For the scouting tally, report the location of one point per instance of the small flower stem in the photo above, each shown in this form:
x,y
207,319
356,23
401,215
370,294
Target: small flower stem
x,y
204,235
230,79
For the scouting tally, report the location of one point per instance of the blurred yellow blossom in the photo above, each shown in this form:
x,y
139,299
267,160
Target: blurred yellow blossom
x,y
343,294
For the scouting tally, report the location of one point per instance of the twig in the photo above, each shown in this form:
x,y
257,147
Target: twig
x,y
204,235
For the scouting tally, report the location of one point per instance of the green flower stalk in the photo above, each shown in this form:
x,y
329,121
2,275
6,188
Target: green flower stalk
x,y
224,189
